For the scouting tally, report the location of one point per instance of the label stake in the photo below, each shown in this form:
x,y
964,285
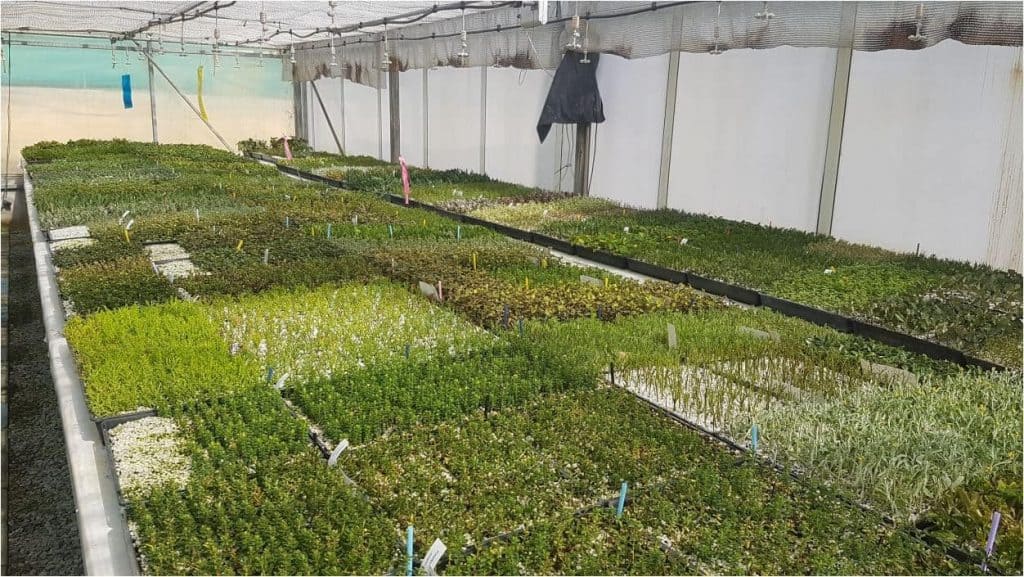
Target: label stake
x,y
408,551
238,247
504,316
753,438
990,544
266,256
622,499
407,350
270,374
391,231
458,232
474,261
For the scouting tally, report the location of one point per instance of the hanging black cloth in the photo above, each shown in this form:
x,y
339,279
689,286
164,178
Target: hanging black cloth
x,y
573,97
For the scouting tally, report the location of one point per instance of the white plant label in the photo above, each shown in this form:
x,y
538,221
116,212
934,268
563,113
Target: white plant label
x,y
266,255
433,557
337,453
129,225
280,382
428,290
124,215
590,280
672,342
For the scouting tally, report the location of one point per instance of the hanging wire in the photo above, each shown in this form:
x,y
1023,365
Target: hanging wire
x,y
160,38
334,54
216,40
463,53
182,36
586,44
718,29
917,36
385,62
574,38
263,33
113,54
764,14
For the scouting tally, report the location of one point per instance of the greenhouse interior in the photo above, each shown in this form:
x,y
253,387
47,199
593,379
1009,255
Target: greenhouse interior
x,y
506,288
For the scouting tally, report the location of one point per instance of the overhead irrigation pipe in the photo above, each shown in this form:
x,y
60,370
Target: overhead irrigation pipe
x,y
406,18
374,37
153,63
327,116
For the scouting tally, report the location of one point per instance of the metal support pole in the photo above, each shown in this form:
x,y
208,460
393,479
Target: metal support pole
x,y
342,98
297,113
483,120
152,93
380,123
327,117
582,161
395,113
152,63
426,119
668,128
837,118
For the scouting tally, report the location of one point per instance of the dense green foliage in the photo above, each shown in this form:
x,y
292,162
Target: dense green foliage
x,y
969,307
480,412
258,501
155,356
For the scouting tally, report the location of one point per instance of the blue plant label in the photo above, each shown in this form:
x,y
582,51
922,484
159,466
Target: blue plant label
x,y
126,90
622,499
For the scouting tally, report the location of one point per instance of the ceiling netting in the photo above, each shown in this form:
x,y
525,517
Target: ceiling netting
x,y
236,22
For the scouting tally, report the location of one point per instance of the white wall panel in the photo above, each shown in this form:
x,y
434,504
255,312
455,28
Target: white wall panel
x,y
454,103
361,123
319,131
750,134
411,101
514,151
925,148
626,147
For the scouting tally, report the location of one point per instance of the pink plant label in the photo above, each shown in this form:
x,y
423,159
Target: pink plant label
x,y
405,178
287,149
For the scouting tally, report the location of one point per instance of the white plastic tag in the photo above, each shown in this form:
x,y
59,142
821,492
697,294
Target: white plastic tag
x,y
337,453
